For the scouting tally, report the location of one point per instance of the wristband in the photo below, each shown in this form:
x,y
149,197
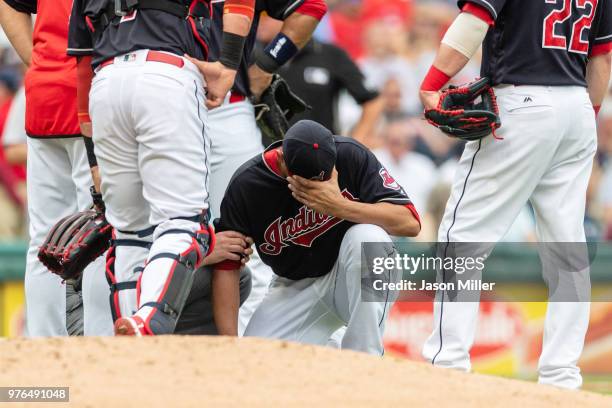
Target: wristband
x,y
231,52
434,80
89,148
280,50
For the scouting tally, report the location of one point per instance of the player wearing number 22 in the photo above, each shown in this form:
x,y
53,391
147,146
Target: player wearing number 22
x,y
549,63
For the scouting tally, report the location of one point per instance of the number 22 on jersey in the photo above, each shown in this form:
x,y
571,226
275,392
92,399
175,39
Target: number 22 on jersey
x,y
555,33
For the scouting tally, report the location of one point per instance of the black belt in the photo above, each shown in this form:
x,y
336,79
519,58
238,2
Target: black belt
x,y
120,8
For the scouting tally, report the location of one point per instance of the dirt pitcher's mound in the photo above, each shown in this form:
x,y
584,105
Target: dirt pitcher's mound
x,y
175,371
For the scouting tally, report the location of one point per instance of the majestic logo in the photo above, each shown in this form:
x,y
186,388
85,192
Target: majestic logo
x,y
388,181
300,230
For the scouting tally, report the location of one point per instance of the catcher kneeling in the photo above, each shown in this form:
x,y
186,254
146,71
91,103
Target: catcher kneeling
x,y
77,240
309,202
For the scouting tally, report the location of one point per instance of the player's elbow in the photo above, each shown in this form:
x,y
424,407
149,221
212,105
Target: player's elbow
x,y
405,225
412,227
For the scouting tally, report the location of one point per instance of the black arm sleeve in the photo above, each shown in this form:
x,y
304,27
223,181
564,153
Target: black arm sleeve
x,y
351,77
23,6
79,36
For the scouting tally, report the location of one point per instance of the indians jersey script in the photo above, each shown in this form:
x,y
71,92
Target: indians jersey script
x,y
293,240
543,42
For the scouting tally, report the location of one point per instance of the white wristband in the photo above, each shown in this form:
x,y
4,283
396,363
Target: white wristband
x,y
466,34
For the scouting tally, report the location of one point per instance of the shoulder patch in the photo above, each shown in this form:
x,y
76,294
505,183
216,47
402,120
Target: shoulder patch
x,y
388,181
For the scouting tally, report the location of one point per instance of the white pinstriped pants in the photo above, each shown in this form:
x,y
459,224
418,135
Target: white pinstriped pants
x,y
545,157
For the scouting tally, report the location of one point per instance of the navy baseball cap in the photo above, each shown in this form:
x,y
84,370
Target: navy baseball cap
x,y
309,150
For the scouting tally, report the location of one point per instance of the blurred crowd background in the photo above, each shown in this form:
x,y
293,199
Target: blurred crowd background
x,y
361,74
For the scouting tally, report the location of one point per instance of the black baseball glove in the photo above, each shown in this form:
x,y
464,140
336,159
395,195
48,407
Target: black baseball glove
x,y
76,241
275,108
468,112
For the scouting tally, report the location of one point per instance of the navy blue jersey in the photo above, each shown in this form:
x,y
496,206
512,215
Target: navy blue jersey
x,y
142,29
293,240
543,42
277,9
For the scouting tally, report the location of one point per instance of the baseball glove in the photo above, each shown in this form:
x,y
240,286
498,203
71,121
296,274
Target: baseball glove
x,y
275,108
462,114
76,241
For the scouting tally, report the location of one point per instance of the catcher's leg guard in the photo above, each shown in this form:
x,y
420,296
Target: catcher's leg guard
x,y
178,250
124,264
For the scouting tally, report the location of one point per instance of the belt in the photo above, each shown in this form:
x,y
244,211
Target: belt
x,y
153,56
157,56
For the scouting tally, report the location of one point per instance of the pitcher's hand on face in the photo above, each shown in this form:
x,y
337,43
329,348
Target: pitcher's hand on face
x,y
321,196
230,245
219,80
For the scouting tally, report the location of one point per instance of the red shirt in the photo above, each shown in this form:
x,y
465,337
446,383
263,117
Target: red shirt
x,y
50,82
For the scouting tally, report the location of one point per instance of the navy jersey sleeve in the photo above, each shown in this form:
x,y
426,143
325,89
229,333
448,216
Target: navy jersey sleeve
x,y
24,6
234,216
375,184
351,77
494,6
603,31
79,36
279,9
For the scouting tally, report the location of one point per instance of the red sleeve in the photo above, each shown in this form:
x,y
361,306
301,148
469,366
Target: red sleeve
x,y
313,8
600,49
479,11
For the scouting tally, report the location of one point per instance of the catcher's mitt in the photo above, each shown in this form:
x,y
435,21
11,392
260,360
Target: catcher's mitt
x,y
75,241
276,106
460,114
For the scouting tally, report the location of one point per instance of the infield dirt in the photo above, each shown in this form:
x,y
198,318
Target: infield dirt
x,y
176,371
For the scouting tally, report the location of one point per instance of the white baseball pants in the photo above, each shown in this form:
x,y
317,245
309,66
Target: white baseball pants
x,y
150,134
545,157
58,185
235,139
310,310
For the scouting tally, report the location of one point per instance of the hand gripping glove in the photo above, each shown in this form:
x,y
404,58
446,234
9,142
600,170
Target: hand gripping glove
x,y
467,112
76,241
275,108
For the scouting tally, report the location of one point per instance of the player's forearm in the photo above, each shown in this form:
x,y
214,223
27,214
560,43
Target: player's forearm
x,y
18,28
83,85
459,44
598,77
299,28
449,60
226,301
370,115
395,219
